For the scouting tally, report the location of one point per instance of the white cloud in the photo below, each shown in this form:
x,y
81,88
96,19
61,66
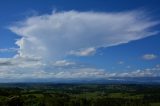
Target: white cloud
x,y
62,63
83,52
53,36
18,61
8,50
28,68
149,56
158,65
47,39
128,66
121,62
137,73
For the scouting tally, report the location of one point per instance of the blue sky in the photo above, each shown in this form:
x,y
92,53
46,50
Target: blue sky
x,y
49,39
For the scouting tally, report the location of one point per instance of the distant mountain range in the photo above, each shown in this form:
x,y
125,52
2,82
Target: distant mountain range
x,y
120,80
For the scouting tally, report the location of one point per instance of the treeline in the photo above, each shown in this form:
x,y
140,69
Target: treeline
x,y
66,100
80,95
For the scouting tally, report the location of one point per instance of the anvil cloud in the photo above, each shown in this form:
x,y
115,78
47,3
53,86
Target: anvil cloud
x,y
54,36
45,41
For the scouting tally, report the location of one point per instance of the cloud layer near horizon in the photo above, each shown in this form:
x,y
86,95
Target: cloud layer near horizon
x,y
47,39
20,69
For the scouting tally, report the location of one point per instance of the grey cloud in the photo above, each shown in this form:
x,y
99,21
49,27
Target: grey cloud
x,y
6,63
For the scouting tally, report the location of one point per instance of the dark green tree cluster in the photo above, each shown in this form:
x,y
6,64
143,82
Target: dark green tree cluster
x,y
66,100
80,95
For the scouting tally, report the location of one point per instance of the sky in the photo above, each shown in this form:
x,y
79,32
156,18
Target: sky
x,y
58,40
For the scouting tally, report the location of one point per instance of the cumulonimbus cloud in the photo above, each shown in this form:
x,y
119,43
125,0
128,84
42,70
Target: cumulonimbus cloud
x,y
47,39
53,36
